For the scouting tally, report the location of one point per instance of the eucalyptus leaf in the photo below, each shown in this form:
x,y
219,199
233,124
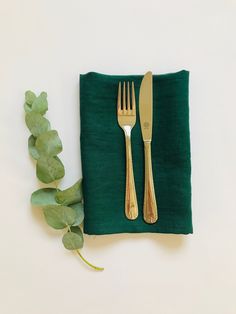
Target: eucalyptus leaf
x,y
49,169
36,123
73,240
40,104
71,195
31,147
29,97
79,208
77,230
58,216
49,143
27,107
43,197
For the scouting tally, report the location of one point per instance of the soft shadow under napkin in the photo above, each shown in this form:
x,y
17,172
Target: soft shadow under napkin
x,y
103,155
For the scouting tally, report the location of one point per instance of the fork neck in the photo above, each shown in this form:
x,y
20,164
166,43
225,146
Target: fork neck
x,y
127,129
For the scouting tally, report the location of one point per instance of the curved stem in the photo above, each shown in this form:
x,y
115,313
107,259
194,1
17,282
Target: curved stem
x,y
83,259
89,264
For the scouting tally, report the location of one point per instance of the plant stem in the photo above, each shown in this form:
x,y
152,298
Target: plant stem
x,y
89,264
83,259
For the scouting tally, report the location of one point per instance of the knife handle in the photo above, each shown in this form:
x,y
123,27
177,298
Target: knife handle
x,y
131,205
150,205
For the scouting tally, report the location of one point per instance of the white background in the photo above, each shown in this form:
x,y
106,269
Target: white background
x,y
44,45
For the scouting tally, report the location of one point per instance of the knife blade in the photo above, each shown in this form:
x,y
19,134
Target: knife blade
x,y
145,106
145,113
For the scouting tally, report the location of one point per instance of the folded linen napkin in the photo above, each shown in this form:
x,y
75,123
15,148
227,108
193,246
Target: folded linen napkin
x,y
103,155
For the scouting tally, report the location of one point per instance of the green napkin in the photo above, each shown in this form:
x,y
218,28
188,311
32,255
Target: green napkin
x,y
103,155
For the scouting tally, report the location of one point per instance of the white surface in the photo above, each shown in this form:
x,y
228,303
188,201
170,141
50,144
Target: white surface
x,y
44,46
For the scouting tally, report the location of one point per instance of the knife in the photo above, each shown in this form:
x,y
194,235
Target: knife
x,y
145,113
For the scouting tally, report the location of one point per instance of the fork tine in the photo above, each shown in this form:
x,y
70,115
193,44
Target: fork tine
x,y
119,97
128,97
133,99
124,97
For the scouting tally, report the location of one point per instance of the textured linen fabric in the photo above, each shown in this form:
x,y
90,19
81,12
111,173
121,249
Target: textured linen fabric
x,y
103,155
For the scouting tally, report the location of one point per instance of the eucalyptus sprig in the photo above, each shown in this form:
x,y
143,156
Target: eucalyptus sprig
x,y
63,209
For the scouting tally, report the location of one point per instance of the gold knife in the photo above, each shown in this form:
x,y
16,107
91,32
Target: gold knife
x,y
145,113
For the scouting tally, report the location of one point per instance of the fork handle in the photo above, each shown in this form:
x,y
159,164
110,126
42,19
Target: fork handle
x,y
131,205
150,205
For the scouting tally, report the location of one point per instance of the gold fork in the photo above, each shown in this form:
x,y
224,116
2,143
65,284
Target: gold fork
x,y
126,113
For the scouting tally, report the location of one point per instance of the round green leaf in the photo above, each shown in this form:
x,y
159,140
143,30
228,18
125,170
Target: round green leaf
x,y
77,230
49,143
44,197
71,195
49,169
29,97
40,104
58,216
73,241
32,149
36,123
79,208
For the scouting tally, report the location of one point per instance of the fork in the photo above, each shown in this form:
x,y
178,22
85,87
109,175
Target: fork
x,y
126,114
